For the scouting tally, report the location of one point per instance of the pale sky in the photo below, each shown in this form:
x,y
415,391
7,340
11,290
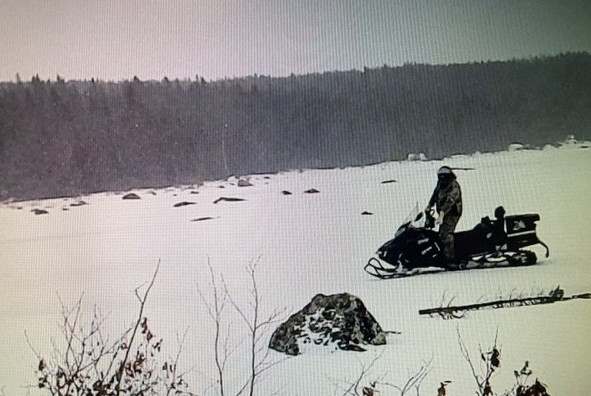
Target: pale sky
x,y
119,39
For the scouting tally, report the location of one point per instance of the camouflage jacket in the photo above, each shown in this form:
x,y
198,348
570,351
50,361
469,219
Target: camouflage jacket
x,y
447,199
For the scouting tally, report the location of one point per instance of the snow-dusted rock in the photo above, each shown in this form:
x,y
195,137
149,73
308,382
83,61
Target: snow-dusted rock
x,y
338,321
515,147
570,139
416,157
244,182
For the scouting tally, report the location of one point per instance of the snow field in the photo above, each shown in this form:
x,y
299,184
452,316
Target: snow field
x,y
307,244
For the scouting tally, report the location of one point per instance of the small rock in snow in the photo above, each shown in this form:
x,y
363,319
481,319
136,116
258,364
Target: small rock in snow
x,y
131,196
184,203
228,199
244,183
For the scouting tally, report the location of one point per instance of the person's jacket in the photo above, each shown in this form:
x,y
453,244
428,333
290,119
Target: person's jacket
x,y
447,197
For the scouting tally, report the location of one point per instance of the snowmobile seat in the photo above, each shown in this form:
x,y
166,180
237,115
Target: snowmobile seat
x,y
482,239
486,237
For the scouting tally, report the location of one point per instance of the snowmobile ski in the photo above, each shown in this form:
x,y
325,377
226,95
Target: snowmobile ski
x,y
383,270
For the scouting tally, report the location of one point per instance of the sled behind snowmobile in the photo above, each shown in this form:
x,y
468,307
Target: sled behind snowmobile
x,y
491,243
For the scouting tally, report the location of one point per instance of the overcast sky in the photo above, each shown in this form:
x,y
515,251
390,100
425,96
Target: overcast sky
x,y
117,39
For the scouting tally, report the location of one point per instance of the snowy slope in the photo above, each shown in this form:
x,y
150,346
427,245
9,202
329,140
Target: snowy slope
x,y
308,244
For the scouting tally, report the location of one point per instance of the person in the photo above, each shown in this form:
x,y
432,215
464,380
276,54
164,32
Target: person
x,y
447,198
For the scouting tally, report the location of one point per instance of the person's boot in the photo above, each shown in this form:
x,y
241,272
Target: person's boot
x,y
452,263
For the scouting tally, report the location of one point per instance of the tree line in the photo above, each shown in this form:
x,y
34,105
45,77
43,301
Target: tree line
x,y
60,138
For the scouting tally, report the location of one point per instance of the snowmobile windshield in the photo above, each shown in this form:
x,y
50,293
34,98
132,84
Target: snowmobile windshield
x,y
414,219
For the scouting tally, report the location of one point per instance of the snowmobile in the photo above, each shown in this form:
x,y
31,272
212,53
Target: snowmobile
x,y
416,247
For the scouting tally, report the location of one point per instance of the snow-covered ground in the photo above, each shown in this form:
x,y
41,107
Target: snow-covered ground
x,y
307,244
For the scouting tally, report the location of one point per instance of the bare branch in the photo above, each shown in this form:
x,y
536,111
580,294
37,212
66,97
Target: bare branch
x,y
137,325
215,311
491,361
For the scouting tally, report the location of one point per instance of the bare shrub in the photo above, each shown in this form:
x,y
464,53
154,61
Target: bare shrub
x,y
85,362
522,388
490,363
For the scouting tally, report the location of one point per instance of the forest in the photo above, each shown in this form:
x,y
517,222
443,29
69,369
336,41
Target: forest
x,y
68,138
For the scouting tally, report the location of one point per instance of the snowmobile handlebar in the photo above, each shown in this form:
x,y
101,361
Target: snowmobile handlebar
x,y
429,219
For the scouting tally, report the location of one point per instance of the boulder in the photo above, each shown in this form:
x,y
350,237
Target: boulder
x,y
338,321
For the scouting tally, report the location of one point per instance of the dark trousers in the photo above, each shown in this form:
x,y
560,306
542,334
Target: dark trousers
x,y
446,233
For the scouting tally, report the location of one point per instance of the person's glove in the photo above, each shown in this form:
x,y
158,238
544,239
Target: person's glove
x,y
439,220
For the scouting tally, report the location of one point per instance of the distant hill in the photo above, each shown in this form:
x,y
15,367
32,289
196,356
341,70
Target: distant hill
x,y
72,137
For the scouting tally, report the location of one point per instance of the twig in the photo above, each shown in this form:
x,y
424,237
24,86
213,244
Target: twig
x,y
353,387
415,379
